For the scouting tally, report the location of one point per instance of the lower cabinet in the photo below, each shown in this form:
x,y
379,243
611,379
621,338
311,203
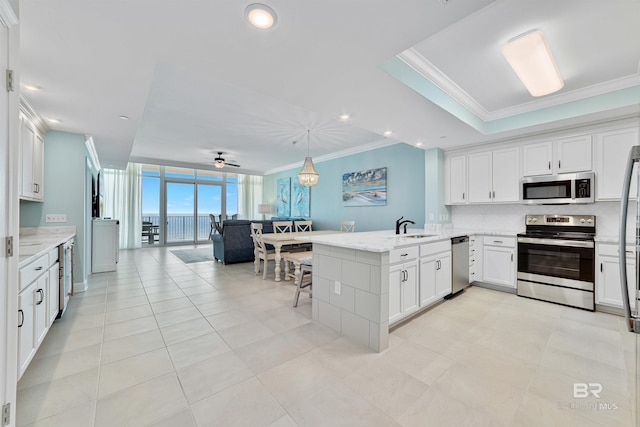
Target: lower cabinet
x,y
435,272
499,261
26,327
608,288
403,289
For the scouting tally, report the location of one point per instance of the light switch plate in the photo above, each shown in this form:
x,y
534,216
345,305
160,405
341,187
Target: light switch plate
x,y
338,288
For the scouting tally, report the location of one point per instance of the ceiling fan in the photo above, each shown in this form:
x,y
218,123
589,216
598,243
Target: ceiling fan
x,y
220,163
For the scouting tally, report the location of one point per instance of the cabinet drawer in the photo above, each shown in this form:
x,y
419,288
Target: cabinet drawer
x,y
32,271
612,250
435,248
53,256
509,242
404,254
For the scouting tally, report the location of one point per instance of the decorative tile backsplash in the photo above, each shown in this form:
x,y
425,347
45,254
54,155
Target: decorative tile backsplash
x,y
511,216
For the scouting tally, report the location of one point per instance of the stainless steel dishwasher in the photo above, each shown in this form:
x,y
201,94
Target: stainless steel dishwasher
x,y
459,264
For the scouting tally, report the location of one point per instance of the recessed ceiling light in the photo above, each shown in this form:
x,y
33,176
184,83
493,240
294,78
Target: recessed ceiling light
x,y
387,133
124,117
32,88
418,144
261,16
344,116
54,120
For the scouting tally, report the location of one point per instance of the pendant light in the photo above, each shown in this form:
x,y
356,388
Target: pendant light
x,y
308,175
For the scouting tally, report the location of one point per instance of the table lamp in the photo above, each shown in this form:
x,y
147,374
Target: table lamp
x,y
264,209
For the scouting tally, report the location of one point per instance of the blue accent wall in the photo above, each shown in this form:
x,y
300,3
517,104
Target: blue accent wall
x,y
64,192
405,189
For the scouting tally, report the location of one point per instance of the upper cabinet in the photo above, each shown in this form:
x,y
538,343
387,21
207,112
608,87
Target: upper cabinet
x,y
612,150
31,161
494,176
456,180
564,155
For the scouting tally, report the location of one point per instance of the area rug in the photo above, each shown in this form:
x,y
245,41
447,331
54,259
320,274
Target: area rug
x,y
194,255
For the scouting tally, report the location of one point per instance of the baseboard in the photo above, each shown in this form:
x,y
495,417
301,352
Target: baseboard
x,y
79,287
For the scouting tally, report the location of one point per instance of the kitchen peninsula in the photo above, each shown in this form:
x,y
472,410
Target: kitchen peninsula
x,y
358,278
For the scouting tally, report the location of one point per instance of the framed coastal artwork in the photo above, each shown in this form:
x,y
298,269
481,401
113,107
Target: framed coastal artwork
x,y
283,197
365,188
300,206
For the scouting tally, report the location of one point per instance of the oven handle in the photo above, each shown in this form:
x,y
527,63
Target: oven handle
x,y
633,323
557,242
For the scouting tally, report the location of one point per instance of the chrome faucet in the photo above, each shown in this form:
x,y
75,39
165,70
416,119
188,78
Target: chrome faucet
x,y
399,222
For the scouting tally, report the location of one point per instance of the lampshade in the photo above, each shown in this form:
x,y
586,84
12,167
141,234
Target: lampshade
x,y
264,209
531,59
308,175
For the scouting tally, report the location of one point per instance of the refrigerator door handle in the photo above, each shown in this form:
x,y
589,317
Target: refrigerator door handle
x,y
633,323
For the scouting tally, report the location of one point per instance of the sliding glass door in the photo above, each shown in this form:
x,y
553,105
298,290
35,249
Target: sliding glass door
x,y
209,202
180,208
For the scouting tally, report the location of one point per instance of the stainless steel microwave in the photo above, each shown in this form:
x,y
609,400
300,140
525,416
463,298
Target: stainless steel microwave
x,y
558,189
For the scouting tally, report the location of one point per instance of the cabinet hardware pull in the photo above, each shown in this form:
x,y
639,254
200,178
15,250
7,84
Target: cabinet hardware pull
x,y
549,167
39,268
462,196
601,268
559,167
498,241
41,292
511,257
489,194
21,313
404,254
494,194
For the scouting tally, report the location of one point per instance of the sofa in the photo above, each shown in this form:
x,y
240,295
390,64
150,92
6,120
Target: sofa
x,y
234,243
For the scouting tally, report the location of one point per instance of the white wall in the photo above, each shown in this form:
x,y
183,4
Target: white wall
x,y
511,216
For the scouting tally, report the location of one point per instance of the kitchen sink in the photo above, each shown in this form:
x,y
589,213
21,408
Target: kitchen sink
x,y
416,236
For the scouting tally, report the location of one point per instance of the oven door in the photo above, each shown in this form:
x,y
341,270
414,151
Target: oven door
x,y
568,263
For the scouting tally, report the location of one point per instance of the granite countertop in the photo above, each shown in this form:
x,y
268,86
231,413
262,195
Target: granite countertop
x,y
387,240
37,241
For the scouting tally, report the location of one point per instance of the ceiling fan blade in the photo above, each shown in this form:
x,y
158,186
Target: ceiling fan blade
x,y
231,164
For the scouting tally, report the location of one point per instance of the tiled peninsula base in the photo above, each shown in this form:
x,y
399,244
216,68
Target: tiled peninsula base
x,y
358,306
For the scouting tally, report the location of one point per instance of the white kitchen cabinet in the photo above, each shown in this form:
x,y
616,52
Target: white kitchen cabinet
x,y
26,327
608,288
456,180
612,150
435,272
494,176
31,162
54,293
475,258
499,261
565,155
403,283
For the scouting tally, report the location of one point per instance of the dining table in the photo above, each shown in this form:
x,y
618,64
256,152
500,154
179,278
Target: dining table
x,y
278,240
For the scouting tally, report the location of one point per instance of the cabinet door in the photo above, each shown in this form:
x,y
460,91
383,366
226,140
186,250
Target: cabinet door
x,y
41,318
54,293
498,266
395,294
537,159
38,167
428,267
410,299
443,276
612,150
457,178
609,291
26,327
574,154
506,175
480,177
27,186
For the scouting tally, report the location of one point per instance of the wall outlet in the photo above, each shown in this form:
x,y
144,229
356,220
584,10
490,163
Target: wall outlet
x,y
338,288
432,217
56,218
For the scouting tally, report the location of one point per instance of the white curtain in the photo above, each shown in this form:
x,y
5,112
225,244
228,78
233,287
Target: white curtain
x,y
123,201
249,196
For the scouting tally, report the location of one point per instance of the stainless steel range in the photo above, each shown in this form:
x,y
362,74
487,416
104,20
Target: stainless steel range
x,y
556,259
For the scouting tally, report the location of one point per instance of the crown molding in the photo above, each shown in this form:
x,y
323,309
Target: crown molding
x,y
385,142
32,115
7,15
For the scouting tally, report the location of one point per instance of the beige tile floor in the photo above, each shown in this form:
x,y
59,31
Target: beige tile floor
x,y
162,343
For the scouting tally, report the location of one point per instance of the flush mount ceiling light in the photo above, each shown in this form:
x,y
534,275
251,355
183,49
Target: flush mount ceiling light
x,y
344,116
308,175
32,88
530,57
260,16
50,120
387,133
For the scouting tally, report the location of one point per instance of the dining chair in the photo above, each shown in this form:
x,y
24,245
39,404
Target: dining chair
x,y
304,283
262,253
348,226
146,231
282,226
303,225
